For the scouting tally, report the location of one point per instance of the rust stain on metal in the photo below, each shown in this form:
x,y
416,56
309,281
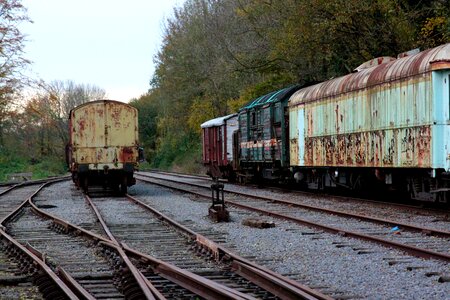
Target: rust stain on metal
x,y
415,65
380,148
104,132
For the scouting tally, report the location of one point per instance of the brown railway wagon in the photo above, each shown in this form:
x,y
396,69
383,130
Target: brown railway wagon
x,y
218,153
103,144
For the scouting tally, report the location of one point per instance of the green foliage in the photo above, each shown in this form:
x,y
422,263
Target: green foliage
x,y
219,55
11,164
176,148
145,166
200,112
50,166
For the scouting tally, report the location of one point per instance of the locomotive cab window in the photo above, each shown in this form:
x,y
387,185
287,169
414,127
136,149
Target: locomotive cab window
x,y
277,113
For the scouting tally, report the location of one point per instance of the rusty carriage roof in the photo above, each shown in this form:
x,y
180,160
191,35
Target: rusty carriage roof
x,y
396,69
271,97
99,101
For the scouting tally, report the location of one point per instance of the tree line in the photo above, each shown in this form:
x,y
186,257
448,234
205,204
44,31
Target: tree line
x,y
33,113
216,55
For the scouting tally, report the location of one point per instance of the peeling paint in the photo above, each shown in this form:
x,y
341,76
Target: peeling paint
x,y
104,133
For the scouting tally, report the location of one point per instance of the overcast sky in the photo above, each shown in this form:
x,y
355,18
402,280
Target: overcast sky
x,y
108,43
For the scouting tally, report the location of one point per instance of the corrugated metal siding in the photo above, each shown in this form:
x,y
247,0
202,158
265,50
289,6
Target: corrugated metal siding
x,y
218,140
414,65
371,128
374,118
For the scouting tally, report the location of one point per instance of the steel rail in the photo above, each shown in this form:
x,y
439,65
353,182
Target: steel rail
x,y
42,265
419,207
428,231
165,271
196,284
147,288
64,276
30,182
166,268
74,285
19,208
415,251
61,279
39,260
275,283
187,279
12,187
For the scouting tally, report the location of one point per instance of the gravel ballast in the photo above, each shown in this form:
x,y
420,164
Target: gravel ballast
x,y
339,266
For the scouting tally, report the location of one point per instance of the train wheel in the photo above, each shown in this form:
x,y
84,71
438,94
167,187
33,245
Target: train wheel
x,y
85,183
124,185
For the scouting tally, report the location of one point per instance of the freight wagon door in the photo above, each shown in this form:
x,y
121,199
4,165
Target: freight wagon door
x,y
88,126
297,135
121,132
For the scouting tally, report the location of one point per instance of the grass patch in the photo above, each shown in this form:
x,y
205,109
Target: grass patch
x,y
42,168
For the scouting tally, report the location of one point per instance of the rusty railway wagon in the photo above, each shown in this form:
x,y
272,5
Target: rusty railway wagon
x,y
263,138
217,137
103,144
386,125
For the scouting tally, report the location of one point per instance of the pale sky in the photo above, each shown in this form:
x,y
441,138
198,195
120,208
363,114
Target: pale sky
x,y
107,43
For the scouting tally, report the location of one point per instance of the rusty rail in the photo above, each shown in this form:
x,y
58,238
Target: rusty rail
x,y
74,285
68,280
415,251
34,255
429,231
196,284
147,288
108,243
12,187
61,278
41,265
17,210
275,283
188,280
30,182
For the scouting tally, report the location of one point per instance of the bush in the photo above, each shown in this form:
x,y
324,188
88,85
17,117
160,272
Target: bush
x,y
41,168
179,153
48,167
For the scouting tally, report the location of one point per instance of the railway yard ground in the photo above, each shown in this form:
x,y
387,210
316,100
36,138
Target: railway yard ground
x,y
158,242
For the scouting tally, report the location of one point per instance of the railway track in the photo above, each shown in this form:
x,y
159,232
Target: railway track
x,y
181,247
80,261
338,266
14,281
45,237
356,205
132,228
415,240
141,230
73,254
24,273
13,197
